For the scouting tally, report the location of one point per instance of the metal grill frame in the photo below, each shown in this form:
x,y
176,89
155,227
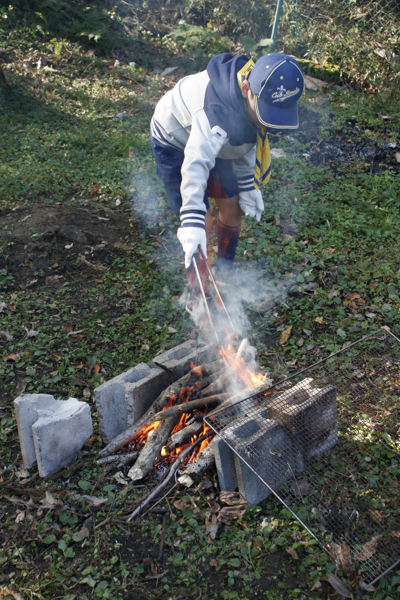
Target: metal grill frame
x,y
218,421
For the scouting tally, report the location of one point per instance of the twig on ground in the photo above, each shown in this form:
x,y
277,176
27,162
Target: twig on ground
x,y
163,534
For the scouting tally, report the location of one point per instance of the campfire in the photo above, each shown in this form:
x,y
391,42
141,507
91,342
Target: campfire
x,y
173,428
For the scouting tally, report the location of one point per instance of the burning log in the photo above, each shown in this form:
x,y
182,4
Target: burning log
x,y
174,467
184,435
257,388
187,407
218,385
204,461
173,390
152,449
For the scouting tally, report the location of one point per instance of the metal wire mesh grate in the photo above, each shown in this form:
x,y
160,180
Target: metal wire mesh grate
x,y
367,15
321,442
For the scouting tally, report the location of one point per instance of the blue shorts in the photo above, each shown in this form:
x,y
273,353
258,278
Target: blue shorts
x,y
222,182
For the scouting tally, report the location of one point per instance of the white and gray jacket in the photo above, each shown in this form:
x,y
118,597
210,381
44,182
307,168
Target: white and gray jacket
x,y
204,115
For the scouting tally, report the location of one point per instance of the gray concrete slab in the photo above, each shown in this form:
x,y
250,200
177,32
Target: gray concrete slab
x,y
59,433
26,407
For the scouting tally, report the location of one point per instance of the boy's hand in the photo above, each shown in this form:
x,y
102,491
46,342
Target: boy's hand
x,y
252,203
190,238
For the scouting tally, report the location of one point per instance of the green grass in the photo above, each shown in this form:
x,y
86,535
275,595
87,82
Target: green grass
x,y
59,149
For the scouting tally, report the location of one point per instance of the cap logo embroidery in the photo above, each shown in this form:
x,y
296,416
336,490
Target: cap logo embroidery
x,y
282,94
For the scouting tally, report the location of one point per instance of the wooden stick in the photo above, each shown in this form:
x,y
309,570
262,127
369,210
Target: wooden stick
x,y
198,467
257,388
173,390
163,534
184,435
218,385
118,458
174,467
152,449
187,407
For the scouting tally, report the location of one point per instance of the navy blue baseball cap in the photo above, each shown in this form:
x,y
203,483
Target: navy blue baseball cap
x,y
277,84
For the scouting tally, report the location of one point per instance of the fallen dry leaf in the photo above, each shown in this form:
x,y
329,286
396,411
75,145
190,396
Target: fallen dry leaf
x,y
119,478
352,296
319,320
339,586
6,335
397,156
90,441
96,368
316,585
22,473
94,500
330,250
11,356
368,550
265,523
285,335
292,553
231,498
350,303
333,293
20,387
20,517
31,332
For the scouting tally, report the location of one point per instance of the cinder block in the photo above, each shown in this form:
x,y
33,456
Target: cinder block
x,y
267,449
26,408
225,463
179,359
139,396
111,402
59,433
311,423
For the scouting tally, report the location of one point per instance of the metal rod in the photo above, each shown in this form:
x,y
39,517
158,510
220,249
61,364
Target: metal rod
x,y
204,297
217,290
276,23
384,573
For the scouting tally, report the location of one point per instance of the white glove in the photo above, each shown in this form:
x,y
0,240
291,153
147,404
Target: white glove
x,y
252,203
190,238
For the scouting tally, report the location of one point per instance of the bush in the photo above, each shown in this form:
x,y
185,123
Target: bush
x,y
94,22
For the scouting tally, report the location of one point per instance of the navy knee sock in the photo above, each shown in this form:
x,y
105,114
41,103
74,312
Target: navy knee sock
x,y
228,238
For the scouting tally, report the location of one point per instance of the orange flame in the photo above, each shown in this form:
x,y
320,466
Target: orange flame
x,y
239,367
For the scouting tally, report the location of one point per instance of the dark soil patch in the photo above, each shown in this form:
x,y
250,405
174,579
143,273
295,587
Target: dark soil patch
x,y
56,242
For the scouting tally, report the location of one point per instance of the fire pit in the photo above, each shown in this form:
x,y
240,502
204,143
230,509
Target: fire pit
x,y
320,441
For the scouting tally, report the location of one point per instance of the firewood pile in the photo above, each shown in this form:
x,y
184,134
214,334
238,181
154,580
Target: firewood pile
x,y
172,430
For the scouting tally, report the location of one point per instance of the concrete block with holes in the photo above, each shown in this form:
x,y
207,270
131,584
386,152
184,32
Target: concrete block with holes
x,y
139,395
179,359
225,463
310,420
266,448
51,431
121,401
